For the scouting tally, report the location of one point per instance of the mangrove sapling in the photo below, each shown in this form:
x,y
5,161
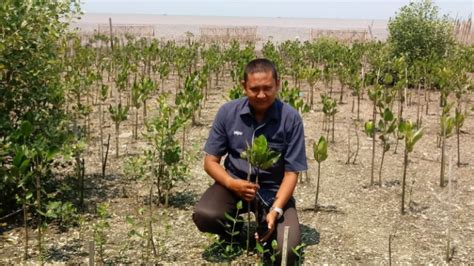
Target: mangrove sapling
x,y
188,101
118,115
260,156
386,126
164,70
311,75
103,97
236,92
329,110
136,103
231,230
350,154
320,152
20,171
164,158
147,86
299,252
412,135
401,68
458,123
447,124
375,94
293,97
100,230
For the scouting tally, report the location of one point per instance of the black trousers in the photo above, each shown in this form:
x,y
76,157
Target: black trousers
x,y
209,216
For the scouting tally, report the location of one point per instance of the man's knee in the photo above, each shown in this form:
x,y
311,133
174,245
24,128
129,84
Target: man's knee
x,y
206,219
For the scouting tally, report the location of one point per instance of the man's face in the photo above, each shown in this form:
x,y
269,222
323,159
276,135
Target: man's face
x,y
261,90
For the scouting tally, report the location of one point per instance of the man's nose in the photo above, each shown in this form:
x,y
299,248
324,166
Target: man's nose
x,y
261,94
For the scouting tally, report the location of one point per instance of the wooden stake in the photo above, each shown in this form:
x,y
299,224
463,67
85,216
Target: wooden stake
x,y
448,240
111,35
91,253
285,247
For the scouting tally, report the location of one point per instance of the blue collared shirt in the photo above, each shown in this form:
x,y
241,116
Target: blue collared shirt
x,y
235,127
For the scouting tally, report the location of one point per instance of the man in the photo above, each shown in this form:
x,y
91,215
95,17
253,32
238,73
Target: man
x,y
236,124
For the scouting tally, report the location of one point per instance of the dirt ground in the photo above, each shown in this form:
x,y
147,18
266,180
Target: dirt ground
x,y
353,226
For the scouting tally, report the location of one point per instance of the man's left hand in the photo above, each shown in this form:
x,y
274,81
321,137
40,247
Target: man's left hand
x,y
271,221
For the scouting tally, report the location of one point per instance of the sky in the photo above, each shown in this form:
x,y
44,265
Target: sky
x,y
341,9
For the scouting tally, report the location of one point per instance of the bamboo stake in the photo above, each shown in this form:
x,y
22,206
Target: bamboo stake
x,y
448,238
284,250
91,253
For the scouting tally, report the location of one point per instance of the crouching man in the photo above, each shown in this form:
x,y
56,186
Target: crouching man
x,y
236,125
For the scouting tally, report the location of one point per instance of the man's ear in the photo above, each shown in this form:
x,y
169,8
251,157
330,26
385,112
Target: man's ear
x,y
242,82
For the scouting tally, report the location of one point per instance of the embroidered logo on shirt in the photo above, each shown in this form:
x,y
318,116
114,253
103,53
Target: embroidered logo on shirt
x,y
237,133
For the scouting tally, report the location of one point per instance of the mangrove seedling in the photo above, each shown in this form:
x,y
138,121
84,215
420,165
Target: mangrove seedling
x,y
447,124
118,114
412,135
260,156
231,246
320,151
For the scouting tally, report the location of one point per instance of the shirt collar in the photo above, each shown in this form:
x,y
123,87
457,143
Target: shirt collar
x,y
273,112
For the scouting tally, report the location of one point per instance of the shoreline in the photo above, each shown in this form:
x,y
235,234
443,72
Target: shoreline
x,y
268,28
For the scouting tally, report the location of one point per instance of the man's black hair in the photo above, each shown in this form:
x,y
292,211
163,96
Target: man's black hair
x,y
260,65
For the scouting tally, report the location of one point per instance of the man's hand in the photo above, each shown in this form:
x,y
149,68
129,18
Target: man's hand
x,y
244,189
271,222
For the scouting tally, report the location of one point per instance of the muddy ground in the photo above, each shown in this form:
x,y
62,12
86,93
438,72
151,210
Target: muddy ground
x,y
353,225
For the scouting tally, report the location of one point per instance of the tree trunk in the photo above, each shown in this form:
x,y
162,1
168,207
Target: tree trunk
x,y
333,123
342,93
405,164
144,111
25,226
106,155
374,116
381,167
136,123
317,188
418,105
458,133
443,144
358,107
151,243
357,141
117,133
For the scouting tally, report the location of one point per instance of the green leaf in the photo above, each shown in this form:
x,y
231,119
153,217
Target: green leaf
x,y
369,128
387,115
320,150
239,205
230,218
26,128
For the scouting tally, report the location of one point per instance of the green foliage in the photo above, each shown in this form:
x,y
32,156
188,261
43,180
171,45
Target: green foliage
x,y
236,92
292,96
329,105
320,150
118,113
419,33
189,99
32,93
299,252
100,229
232,248
411,134
447,122
64,213
163,159
259,154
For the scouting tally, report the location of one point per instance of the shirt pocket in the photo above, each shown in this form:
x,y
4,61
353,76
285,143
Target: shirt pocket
x,y
278,147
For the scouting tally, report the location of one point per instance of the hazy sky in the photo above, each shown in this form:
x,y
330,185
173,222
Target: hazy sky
x,y
350,9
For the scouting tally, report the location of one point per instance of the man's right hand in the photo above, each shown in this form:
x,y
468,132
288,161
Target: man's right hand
x,y
244,189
